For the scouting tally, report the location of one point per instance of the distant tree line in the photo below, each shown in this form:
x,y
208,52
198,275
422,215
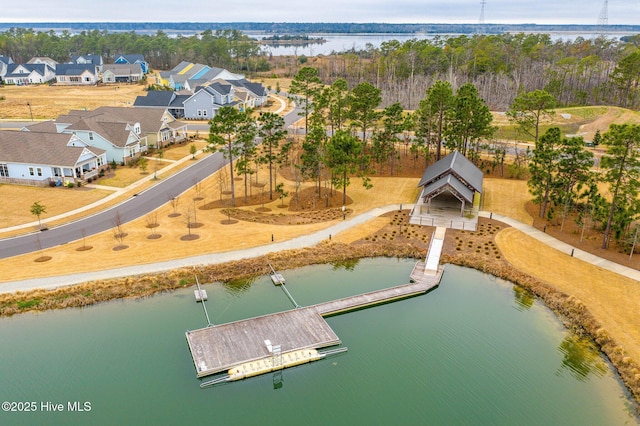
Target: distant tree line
x,y
579,72
230,49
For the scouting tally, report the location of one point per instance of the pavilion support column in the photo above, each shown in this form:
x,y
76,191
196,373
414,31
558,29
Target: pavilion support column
x,y
462,209
429,205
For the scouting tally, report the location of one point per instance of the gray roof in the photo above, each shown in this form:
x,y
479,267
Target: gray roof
x,y
452,182
74,69
111,122
93,59
457,165
39,68
130,58
49,149
42,127
6,59
155,98
256,88
161,99
122,69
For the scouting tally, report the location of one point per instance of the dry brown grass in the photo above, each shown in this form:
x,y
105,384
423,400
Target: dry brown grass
x,y
507,197
48,102
17,201
214,236
612,298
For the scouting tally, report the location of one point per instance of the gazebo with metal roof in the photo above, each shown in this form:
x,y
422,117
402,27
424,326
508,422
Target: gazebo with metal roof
x,y
460,181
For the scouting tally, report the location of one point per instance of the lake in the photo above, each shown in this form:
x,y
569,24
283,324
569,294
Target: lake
x,y
344,42
472,351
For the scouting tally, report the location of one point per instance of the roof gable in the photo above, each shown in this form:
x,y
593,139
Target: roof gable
x,y
52,149
459,166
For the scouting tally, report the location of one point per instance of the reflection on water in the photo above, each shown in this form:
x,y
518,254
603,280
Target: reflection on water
x,y
581,358
523,298
238,286
347,264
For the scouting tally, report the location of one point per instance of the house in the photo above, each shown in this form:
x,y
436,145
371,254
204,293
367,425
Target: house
x,y
253,94
28,74
451,182
95,60
76,74
124,133
47,158
122,73
205,102
43,60
5,61
132,59
162,99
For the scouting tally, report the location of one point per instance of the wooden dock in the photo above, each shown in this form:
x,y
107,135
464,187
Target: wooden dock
x,y
220,348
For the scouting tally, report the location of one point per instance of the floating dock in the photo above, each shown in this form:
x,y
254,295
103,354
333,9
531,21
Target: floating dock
x,y
232,346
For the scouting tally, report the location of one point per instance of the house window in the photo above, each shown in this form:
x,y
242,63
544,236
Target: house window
x,y
90,136
199,113
31,172
4,170
57,172
132,152
99,161
204,112
39,171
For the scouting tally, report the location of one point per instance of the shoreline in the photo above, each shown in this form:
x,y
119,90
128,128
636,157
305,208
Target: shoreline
x,y
572,312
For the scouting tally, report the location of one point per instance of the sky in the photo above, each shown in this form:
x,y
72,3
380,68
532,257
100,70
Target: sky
x,y
388,11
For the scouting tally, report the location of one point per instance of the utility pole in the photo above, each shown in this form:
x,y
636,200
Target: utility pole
x,y
603,18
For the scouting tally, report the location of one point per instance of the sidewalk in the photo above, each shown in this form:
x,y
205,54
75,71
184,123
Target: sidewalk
x,y
295,243
117,192
564,247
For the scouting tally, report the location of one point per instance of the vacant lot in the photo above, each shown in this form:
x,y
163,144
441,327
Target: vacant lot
x,y
48,102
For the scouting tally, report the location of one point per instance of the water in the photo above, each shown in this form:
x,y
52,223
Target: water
x,y
345,42
473,351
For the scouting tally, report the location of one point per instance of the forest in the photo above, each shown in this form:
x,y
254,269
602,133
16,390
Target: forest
x,y
429,95
583,71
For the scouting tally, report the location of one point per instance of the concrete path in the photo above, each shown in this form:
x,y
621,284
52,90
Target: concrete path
x,y
564,247
206,259
295,243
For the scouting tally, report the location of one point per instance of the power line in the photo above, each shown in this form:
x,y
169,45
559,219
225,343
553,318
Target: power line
x,y
603,18
482,3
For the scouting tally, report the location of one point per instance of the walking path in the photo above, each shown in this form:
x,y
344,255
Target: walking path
x,y
295,243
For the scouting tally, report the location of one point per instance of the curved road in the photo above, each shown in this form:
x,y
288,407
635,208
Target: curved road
x,y
128,210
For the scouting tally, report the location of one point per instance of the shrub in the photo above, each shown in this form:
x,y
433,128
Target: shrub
x,y
70,185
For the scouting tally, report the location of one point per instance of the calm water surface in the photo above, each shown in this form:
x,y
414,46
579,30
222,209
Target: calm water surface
x,y
345,42
473,351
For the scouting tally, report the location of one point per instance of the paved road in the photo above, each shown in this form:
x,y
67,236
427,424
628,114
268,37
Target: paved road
x,y
130,209
299,242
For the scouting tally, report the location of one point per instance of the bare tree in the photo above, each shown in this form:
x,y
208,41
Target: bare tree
x,y
174,205
118,228
152,223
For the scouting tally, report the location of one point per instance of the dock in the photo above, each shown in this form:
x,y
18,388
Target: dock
x,y
267,343
221,348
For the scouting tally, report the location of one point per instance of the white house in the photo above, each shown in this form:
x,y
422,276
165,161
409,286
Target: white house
x,y
20,74
76,74
122,73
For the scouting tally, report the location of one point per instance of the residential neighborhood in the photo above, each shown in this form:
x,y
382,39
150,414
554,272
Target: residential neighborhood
x,y
87,141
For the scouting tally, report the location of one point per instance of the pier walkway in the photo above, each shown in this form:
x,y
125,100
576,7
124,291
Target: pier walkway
x,y
222,347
